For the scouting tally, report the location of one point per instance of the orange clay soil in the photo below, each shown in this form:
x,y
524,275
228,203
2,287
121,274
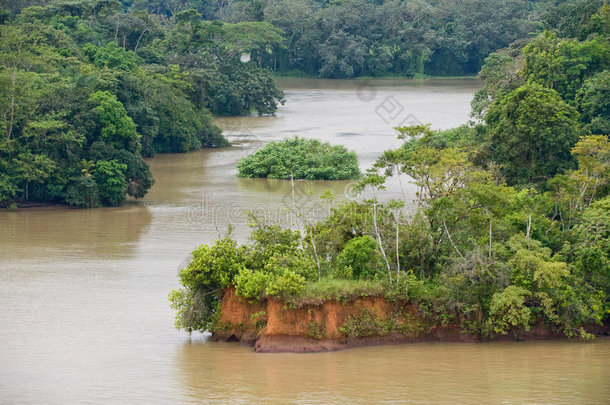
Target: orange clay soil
x,y
274,326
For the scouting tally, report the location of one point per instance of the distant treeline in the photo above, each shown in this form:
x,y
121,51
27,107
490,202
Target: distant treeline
x,y
350,38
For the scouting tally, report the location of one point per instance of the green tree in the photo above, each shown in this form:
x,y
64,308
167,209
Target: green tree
x,y
570,19
508,310
111,56
563,64
33,168
593,100
110,179
590,250
117,128
532,131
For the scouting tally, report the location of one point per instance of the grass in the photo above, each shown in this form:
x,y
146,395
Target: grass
x,y
329,289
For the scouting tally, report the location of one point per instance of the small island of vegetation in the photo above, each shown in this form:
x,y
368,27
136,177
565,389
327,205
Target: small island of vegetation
x,y
300,158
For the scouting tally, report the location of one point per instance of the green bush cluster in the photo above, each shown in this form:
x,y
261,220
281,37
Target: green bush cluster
x,y
300,158
272,264
360,257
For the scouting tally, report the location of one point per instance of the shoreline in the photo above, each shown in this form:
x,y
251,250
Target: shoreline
x,y
43,206
298,75
47,206
302,345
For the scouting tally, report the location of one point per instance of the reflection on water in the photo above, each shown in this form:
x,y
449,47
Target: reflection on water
x,y
83,293
526,372
66,233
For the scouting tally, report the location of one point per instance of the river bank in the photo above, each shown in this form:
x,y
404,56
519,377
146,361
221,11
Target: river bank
x,y
295,74
273,326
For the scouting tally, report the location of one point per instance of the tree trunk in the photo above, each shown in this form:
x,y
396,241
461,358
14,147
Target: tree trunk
x,y
135,49
9,130
490,237
397,255
294,211
385,258
315,251
451,240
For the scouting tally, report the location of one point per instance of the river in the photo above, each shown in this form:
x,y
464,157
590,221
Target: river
x,y
84,315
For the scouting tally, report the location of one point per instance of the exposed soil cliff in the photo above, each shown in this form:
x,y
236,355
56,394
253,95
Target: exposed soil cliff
x,y
274,326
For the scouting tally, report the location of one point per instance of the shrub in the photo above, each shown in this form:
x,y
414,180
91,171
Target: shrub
x,y
361,255
508,310
299,262
204,280
367,324
251,284
287,284
299,158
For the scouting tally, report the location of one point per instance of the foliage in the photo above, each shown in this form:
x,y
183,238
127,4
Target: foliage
x,y
337,289
111,56
94,82
477,252
508,310
110,178
117,129
593,103
333,38
211,270
590,249
532,132
361,255
571,19
287,284
540,95
251,284
299,158
316,330
562,64
360,38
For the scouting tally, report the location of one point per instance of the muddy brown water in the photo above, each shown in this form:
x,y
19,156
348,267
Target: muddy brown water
x,y
84,316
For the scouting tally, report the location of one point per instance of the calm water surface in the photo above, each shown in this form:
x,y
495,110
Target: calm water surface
x,y
84,316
